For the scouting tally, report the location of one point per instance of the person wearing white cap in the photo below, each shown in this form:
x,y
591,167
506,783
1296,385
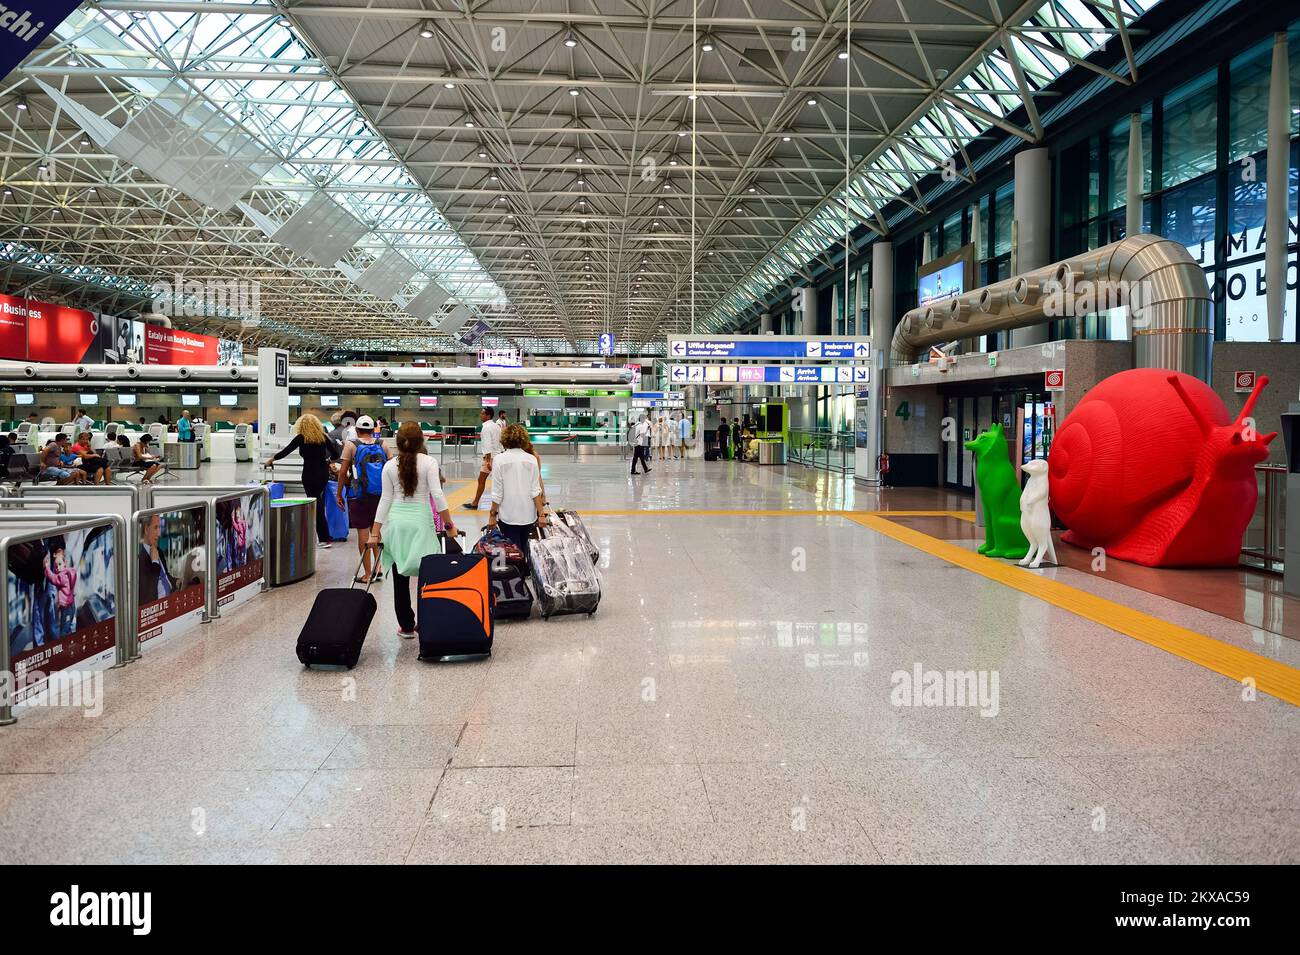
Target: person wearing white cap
x,y
361,474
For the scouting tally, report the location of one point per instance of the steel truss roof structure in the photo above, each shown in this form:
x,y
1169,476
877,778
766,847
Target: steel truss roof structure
x,y
559,165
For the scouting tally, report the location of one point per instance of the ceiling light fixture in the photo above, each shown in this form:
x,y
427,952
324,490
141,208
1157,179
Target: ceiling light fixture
x,y
426,29
706,44
21,103
570,39
812,101
574,91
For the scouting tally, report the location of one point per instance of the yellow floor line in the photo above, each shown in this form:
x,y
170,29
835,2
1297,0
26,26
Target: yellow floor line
x,y
1231,661
1270,676
460,494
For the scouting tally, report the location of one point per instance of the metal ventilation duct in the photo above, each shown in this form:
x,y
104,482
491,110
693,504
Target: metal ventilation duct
x,y
1170,311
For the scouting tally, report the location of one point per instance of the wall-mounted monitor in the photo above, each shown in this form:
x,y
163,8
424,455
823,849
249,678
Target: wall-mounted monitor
x,y
295,401
428,401
24,398
491,401
125,399
88,399
392,401
945,277
229,401
329,401
189,400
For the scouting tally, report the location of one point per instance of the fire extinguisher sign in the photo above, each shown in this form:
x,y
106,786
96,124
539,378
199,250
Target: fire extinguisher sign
x,y
1243,382
1054,380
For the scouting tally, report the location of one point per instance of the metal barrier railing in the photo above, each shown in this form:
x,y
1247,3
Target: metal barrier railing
x,y
216,495
209,546
821,448
34,504
123,625
1264,544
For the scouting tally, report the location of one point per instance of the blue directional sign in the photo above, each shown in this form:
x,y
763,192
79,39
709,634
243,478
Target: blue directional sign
x,y
769,347
770,374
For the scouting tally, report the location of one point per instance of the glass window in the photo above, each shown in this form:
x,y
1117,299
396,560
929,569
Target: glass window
x,y
1190,131
951,234
1003,212
1246,317
1248,101
1189,217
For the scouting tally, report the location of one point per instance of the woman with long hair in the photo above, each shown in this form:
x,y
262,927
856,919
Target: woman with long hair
x,y
404,523
316,452
518,504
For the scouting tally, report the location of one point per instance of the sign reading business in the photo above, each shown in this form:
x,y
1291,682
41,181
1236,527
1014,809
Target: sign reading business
x,y
172,346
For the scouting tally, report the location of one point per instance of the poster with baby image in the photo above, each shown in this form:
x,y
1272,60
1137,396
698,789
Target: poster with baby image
x,y
241,533
171,573
62,608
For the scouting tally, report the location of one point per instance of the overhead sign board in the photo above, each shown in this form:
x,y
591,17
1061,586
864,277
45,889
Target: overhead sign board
x,y
769,374
771,346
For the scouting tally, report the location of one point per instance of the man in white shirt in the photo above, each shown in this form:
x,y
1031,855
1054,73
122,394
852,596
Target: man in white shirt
x,y
489,445
83,421
641,444
684,433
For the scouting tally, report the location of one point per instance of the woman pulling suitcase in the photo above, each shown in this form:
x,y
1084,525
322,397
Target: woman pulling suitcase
x,y
404,522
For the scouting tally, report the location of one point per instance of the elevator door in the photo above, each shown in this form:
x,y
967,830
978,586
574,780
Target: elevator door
x,y
952,447
978,416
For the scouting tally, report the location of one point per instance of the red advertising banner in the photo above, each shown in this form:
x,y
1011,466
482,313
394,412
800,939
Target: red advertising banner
x,y
56,333
13,327
172,346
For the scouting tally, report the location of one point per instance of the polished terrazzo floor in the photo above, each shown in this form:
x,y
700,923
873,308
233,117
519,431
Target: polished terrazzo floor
x,y
730,702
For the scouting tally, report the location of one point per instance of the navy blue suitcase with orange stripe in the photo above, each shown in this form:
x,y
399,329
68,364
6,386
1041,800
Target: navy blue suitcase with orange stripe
x,y
454,616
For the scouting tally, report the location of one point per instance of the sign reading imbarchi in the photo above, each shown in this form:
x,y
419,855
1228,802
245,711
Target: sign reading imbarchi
x,y
23,25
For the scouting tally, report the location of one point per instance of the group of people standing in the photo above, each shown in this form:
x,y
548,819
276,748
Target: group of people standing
x,y
664,438
398,501
734,437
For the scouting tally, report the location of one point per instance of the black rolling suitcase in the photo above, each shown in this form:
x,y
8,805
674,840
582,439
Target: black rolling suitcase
x,y
514,600
337,626
454,615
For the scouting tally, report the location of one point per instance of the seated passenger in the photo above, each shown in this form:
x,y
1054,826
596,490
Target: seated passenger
x,y
53,467
142,458
92,463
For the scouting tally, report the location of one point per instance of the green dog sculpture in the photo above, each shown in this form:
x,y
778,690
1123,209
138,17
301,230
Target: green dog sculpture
x,y
1000,492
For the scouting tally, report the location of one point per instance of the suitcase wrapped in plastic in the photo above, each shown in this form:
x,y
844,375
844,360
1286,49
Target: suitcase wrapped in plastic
x,y
514,600
454,616
564,578
336,627
569,524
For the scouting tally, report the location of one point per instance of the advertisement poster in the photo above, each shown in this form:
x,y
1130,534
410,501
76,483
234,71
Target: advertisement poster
x,y
56,333
123,340
241,535
61,606
171,570
13,327
172,346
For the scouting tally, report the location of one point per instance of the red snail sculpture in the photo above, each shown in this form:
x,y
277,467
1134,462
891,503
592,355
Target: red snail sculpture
x,y
1151,467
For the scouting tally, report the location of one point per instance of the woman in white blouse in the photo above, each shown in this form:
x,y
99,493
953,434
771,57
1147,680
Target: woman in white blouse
x,y
518,504
404,520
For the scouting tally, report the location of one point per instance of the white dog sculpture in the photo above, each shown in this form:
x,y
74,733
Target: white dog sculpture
x,y
1035,517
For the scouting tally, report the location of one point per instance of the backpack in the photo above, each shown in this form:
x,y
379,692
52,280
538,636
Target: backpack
x,y
368,470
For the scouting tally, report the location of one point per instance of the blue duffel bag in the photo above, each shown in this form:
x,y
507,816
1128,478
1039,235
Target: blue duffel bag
x,y
336,518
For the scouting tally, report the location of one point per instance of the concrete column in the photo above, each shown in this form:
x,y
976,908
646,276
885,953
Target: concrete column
x,y
1277,174
881,311
1136,172
766,324
806,321
927,253
1033,219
